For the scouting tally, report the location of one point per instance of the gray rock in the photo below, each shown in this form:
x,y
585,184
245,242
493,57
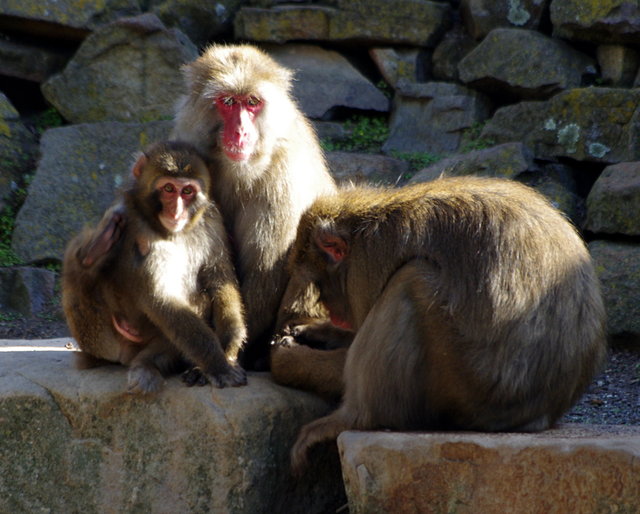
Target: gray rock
x,y
81,168
567,469
612,21
69,20
402,22
400,64
587,124
27,291
523,64
29,61
368,168
202,21
75,441
18,149
613,204
325,79
126,71
618,267
433,117
453,47
482,16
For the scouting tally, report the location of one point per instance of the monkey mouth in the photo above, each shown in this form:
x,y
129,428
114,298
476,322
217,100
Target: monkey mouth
x,y
237,153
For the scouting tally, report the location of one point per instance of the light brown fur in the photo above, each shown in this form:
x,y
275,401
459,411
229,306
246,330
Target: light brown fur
x,y
175,294
474,301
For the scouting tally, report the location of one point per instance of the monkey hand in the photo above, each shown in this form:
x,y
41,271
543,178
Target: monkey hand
x,y
106,235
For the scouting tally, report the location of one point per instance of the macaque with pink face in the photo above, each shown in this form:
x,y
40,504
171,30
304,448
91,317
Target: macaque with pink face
x,y
153,286
267,168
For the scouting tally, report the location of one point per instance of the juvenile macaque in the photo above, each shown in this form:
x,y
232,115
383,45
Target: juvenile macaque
x,y
268,168
474,304
153,286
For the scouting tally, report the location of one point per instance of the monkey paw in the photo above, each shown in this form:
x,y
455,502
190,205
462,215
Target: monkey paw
x,y
286,341
144,380
194,377
234,376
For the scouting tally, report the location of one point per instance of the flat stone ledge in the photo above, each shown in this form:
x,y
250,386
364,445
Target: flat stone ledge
x,y
75,441
574,468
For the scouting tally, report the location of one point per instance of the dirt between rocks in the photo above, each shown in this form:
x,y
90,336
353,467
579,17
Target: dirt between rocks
x,y
613,398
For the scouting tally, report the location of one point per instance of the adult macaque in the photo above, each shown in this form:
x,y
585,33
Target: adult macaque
x,y
147,285
474,303
267,169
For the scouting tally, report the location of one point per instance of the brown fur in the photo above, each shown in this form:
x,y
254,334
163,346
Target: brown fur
x,y
175,294
261,199
474,301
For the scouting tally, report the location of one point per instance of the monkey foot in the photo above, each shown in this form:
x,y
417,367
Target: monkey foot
x,y
144,380
194,377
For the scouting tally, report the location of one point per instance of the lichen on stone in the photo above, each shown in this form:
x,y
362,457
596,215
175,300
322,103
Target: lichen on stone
x,y
517,14
568,137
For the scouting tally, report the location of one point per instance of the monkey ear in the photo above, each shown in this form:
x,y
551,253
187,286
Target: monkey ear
x,y
335,246
140,163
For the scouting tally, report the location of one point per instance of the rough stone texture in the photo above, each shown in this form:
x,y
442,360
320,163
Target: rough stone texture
x,y
618,65
585,124
523,64
202,21
400,64
596,21
482,16
576,468
618,267
432,117
325,79
507,161
74,441
366,168
126,71
68,19
613,204
18,148
453,47
80,169
30,61
27,291
412,22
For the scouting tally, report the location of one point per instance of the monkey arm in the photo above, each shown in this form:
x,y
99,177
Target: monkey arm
x,y
228,318
94,246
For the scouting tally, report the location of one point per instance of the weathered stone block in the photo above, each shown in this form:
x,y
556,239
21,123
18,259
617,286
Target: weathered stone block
x,y
75,441
618,64
575,468
28,291
482,16
366,168
618,267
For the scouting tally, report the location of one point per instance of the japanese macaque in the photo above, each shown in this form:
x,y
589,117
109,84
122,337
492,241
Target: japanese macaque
x,y
474,303
268,168
153,285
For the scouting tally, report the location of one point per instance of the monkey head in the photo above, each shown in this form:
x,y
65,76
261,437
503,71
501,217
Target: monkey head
x,y
246,95
171,188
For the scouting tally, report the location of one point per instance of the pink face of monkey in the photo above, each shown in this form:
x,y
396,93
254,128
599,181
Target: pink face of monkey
x,y
240,134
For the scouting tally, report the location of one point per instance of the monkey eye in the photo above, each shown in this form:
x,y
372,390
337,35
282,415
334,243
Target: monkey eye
x,y
253,101
168,188
227,100
187,191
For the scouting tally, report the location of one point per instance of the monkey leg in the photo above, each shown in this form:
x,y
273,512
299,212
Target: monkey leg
x,y
385,366
299,366
146,369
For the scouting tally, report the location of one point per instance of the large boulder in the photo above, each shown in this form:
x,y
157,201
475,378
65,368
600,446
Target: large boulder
x,y
523,64
602,21
30,61
81,168
618,267
574,468
402,22
71,19
75,441
482,16
126,71
433,117
27,291
353,167
325,79
613,204
585,124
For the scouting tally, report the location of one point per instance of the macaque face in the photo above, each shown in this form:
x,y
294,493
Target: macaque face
x,y
176,195
240,134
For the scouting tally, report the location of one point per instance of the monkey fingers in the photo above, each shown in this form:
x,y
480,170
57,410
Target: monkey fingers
x,y
194,376
234,376
102,242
